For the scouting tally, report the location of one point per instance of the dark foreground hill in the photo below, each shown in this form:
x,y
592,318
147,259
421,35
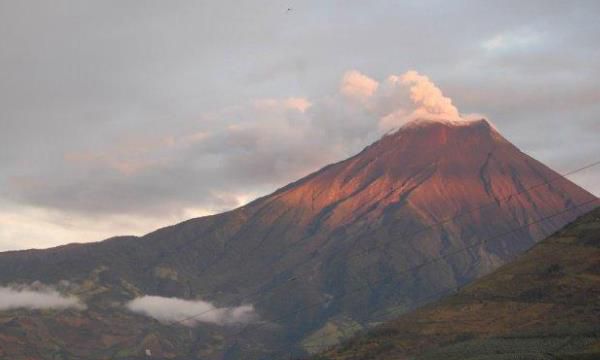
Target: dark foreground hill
x,y
318,259
544,305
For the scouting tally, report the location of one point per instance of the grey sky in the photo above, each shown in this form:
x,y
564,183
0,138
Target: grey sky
x,y
120,117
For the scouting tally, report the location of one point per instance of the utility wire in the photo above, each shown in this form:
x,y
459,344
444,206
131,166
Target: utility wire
x,y
356,290
383,315
488,204
425,228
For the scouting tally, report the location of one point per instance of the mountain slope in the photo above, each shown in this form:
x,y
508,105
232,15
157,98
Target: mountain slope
x,y
544,305
356,224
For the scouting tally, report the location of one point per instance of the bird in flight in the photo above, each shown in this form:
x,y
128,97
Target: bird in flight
x,y
289,9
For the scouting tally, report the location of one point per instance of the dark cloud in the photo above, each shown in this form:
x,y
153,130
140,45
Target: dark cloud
x,y
110,109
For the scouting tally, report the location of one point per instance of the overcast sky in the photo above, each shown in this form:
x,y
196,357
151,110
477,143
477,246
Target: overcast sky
x,y
118,117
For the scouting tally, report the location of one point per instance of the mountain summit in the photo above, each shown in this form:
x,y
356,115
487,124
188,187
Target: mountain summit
x,y
316,260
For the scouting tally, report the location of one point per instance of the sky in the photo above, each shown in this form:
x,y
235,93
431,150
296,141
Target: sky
x,y
121,117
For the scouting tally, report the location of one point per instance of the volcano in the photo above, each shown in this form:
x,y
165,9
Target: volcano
x,y
425,209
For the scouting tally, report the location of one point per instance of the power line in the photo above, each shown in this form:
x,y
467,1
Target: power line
x,y
446,292
483,206
425,228
452,218
356,290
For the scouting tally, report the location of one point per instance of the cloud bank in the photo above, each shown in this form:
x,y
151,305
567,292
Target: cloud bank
x,y
35,297
121,120
190,312
227,157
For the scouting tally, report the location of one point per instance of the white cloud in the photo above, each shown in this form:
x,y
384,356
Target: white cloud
x,y
512,40
36,296
357,85
190,312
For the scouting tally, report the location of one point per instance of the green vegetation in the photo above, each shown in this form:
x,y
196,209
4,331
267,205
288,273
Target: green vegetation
x,y
331,334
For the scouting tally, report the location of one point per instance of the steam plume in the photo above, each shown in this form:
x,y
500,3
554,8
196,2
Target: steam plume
x,y
429,98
